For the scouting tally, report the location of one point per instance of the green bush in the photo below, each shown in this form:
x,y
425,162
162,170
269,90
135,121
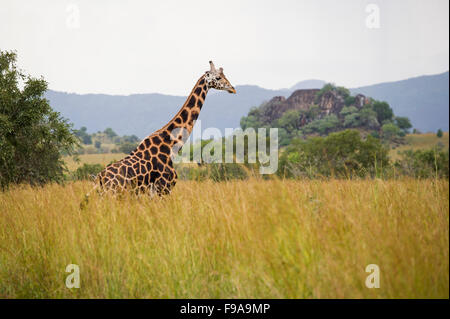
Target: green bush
x,y
87,171
342,154
127,147
424,163
33,137
219,172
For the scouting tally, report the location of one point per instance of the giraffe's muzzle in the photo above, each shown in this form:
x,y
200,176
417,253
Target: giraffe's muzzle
x,y
232,90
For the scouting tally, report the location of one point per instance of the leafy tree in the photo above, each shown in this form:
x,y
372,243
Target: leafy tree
x,y
130,138
290,121
390,131
252,120
344,92
439,133
350,100
368,117
83,135
352,120
346,110
109,132
87,171
323,125
87,139
403,123
127,147
33,137
98,144
383,110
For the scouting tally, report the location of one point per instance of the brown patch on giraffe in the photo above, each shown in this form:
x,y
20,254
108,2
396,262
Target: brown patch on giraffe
x,y
191,102
194,115
164,149
198,90
156,140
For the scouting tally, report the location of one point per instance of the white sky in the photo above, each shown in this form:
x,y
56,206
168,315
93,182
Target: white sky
x,y
124,47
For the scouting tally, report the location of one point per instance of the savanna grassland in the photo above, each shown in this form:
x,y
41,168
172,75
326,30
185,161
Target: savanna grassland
x,y
244,239
420,142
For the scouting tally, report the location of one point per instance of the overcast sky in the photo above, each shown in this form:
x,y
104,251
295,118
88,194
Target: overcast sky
x,y
124,47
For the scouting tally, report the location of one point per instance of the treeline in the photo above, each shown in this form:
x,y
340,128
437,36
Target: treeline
x,y
346,154
105,142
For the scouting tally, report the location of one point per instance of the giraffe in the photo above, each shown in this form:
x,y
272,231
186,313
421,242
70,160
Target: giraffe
x,y
149,167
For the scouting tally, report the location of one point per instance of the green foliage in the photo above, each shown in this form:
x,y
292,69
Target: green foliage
x,y
368,118
342,154
129,139
33,137
322,126
403,123
127,147
290,121
390,131
98,144
347,110
87,171
350,100
383,111
252,120
220,172
83,135
424,163
109,132
439,133
340,90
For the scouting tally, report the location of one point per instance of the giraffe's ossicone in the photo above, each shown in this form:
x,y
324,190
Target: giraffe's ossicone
x,y
149,167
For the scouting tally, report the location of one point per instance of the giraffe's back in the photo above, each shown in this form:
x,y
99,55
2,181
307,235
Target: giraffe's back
x,y
148,168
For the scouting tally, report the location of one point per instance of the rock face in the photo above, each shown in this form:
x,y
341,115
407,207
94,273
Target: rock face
x,y
330,102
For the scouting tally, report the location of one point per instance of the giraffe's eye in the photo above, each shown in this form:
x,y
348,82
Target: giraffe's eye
x,y
218,78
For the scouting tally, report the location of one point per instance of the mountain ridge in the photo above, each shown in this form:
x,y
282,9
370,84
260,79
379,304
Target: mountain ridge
x,y
143,113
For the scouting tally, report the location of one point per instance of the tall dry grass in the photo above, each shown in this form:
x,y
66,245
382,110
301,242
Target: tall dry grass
x,y
246,239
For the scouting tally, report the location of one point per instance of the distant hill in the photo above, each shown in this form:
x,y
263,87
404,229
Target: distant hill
x,y
141,114
424,99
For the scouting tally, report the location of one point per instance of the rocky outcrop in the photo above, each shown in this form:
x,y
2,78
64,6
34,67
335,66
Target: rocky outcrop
x,y
330,102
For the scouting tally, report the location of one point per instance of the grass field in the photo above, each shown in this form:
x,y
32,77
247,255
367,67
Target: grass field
x,y
103,159
420,142
247,239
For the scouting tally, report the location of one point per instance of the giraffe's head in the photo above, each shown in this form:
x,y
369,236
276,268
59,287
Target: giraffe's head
x,y
215,79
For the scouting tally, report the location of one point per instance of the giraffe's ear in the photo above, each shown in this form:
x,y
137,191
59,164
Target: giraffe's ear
x,y
221,71
213,68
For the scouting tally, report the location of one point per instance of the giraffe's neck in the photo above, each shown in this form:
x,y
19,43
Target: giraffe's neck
x,y
189,112
180,127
